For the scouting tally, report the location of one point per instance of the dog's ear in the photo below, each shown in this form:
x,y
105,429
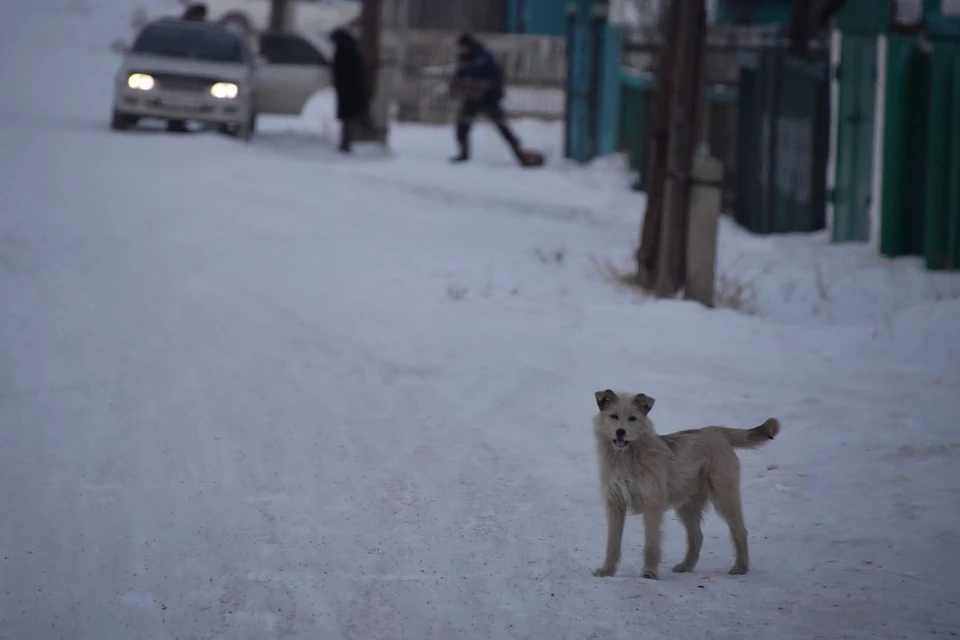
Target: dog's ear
x,y
605,398
644,402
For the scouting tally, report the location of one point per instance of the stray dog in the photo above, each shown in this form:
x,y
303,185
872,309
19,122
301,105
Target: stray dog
x,y
642,472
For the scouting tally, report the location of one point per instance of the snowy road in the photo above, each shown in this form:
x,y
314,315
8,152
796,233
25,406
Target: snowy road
x,y
254,391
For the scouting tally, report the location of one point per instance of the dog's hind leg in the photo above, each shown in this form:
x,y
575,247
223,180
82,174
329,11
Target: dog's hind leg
x,y
652,521
616,518
726,500
690,514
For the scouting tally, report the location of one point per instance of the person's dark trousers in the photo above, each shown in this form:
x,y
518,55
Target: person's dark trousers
x,y
347,126
469,110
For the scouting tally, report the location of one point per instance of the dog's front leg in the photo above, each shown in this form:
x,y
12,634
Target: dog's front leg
x,y
652,521
616,517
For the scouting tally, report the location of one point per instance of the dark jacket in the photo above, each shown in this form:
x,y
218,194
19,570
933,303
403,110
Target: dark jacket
x,y
349,76
479,65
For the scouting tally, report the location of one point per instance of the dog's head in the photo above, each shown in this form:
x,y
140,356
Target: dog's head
x,y
623,418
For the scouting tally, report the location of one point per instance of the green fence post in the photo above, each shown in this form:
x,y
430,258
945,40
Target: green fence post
x,y
943,160
904,148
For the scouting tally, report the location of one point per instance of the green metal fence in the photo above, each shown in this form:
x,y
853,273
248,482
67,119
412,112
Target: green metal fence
x,y
942,238
864,16
903,194
857,79
919,116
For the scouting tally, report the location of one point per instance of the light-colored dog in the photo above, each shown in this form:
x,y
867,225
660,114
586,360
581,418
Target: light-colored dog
x,y
642,472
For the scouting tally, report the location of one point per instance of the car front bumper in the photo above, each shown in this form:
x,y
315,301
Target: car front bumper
x,y
181,105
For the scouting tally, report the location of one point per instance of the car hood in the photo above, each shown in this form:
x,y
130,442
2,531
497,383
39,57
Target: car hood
x,y
232,72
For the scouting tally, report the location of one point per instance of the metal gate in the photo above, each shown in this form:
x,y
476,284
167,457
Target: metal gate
x,y
782,143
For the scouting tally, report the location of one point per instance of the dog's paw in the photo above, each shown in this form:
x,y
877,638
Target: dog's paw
x,y
682,568
650,575
604,572
738,571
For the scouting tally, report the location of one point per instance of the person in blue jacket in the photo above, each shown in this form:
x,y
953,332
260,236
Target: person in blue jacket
x,y
479,79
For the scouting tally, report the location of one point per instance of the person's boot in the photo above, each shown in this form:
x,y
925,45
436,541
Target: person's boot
x,y
464,143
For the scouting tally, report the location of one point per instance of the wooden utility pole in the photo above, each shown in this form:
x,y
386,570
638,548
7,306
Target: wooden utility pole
x,y
401,26
685,103
809,17
278,15
802,26
371,26
371,15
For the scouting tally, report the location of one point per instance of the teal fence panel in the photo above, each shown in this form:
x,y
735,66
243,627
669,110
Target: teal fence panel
x,y
592,91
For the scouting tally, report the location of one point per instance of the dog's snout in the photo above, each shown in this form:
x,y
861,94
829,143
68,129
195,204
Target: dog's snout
x,y
621,433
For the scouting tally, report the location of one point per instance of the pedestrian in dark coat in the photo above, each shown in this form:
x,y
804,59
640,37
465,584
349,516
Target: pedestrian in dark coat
x,y
350,83
479,79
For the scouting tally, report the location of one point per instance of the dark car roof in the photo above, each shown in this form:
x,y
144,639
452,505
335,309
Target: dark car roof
x,y
200,30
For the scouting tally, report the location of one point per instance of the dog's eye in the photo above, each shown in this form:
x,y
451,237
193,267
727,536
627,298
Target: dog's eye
x,y
632,419
614,416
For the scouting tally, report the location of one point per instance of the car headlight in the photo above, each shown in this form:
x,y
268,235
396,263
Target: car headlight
x,y
226,90
142,81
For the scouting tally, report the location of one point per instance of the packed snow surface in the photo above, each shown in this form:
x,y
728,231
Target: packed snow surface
x,y
258,391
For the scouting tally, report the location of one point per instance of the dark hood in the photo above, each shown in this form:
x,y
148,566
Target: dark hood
x,y
469,43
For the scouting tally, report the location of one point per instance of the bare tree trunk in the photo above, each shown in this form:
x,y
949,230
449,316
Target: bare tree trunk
x,y
685,91
658,130
698,109
278,15
801,27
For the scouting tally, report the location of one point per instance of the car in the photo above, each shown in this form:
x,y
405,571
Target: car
x,y
311,17
178,70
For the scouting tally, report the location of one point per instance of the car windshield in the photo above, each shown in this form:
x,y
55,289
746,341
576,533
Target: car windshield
x,y
187,42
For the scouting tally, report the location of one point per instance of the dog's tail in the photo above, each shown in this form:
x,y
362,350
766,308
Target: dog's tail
x,y
752,438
